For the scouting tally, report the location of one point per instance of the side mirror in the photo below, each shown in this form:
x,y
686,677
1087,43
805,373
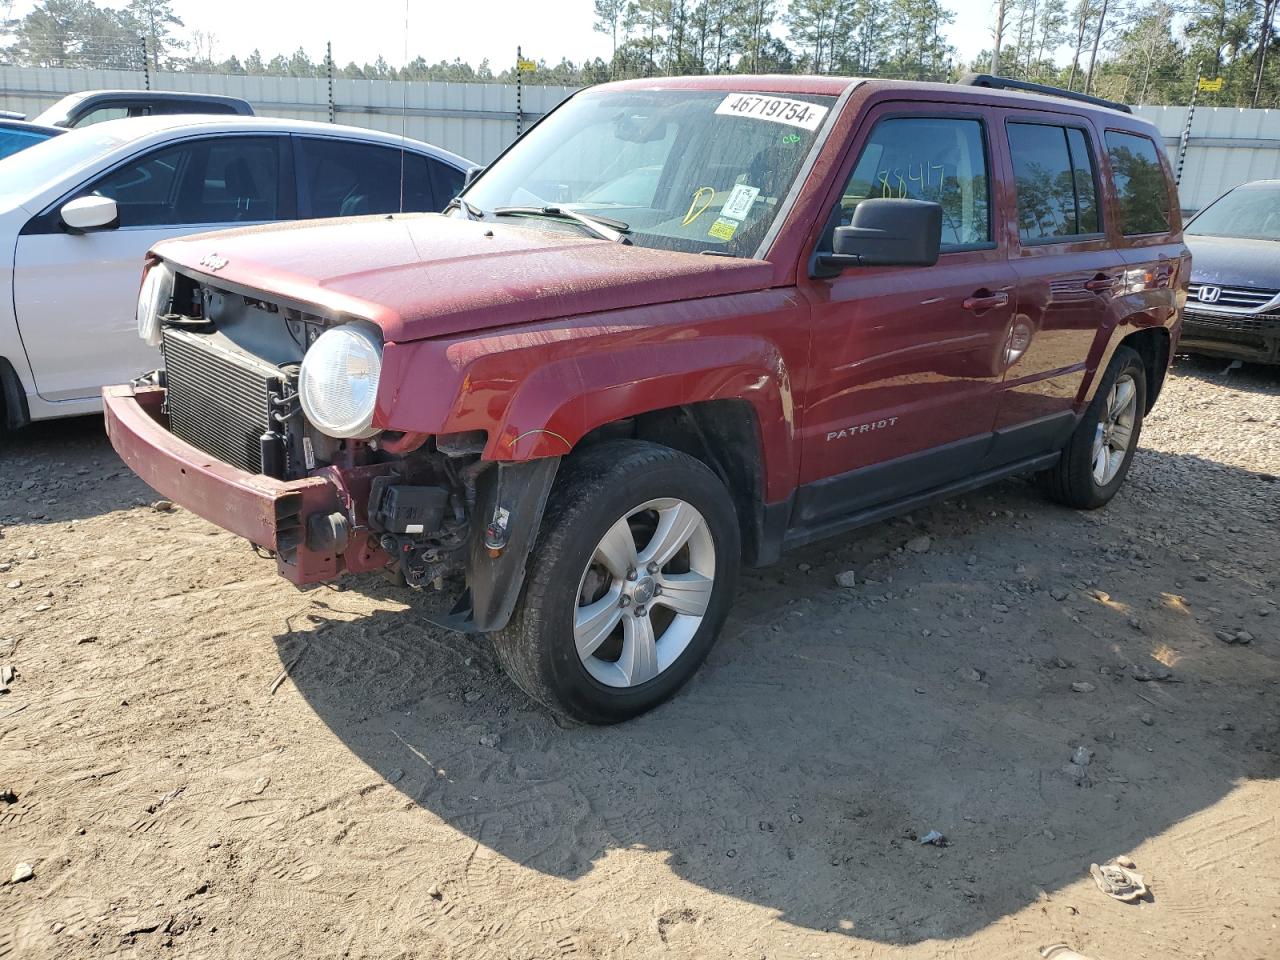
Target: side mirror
x,y
471,175
886,232
90,213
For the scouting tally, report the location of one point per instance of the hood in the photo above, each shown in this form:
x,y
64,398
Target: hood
x,y
1229,262
426,275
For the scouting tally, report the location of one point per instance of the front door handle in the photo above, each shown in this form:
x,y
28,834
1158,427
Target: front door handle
x,y
1100,284
982,300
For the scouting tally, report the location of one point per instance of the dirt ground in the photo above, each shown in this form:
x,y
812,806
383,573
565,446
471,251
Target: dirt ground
x,y
205,762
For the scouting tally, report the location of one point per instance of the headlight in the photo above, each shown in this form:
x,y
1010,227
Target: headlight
x,y
338,383
153,299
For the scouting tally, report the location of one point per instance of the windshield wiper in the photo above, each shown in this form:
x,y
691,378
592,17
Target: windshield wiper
x,y
470,209
606,228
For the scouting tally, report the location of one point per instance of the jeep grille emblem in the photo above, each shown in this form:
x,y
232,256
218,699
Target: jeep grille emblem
x,y
1209,293
213,262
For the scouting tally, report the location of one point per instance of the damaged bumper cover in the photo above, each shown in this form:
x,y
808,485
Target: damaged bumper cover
x,y
314,526
318,526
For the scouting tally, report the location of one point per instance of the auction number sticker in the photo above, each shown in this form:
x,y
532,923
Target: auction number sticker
x,y
794,113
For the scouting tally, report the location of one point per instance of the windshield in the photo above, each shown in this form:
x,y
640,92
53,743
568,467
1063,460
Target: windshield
x,y
1247,213
25,174
696,171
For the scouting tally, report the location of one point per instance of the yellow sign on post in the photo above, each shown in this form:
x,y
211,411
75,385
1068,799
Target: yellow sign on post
x,y
1211,86
526,66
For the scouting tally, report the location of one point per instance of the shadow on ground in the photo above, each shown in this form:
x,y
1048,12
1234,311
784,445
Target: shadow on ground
x,y
831,727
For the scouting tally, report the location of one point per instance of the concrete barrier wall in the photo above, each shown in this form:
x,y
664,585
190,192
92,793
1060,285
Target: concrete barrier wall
x,y
1228,146
476,120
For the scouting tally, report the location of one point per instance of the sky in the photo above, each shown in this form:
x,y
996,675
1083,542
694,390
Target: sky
x,y
441,29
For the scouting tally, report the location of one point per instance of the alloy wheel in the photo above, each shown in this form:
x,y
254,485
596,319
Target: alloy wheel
x,y
644,593
1115,430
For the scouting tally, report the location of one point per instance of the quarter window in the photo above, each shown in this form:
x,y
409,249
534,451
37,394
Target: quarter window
x,y
1141,187
446,182
927,158
1057,196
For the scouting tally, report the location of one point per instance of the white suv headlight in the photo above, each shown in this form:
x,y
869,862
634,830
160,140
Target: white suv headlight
x,y
338,383
153,298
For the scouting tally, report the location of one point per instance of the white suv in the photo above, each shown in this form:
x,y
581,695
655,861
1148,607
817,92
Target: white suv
x,y
79,212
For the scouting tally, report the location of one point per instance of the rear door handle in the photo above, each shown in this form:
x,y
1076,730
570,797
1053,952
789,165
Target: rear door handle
x,y
980,301
1100,284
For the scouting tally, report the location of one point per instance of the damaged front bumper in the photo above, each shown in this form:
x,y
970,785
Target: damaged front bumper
x,y
315,526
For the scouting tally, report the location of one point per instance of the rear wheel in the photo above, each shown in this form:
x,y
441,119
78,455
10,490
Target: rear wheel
x,y
628,584
1096,458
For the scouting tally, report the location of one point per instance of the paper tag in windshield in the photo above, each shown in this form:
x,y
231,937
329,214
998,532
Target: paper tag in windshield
x,y
739,203
794,113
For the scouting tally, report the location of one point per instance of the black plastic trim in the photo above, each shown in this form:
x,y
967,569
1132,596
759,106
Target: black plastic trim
x,y
494,583
13,398
1044,89
865,487
1030,439
800,536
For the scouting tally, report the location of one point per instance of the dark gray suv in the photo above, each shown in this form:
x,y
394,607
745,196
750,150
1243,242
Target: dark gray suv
x,y
1233,304
97,106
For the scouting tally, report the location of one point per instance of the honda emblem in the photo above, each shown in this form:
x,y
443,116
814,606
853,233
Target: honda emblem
x,y
1208,293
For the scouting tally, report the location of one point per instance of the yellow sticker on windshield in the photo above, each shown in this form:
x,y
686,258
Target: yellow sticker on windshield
x,y
723,229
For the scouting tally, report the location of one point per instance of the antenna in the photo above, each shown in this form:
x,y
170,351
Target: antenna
x,y
404,100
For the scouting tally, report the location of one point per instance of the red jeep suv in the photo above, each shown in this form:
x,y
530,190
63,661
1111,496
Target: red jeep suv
x,y
679,325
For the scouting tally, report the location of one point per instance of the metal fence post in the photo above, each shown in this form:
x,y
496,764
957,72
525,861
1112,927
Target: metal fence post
x,y
519,91
146,63
1186,130
328,63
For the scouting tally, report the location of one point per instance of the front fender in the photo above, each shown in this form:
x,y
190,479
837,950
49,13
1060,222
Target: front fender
x,y
565,400
538,391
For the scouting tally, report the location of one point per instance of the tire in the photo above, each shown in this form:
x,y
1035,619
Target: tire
x,y
1080,478
609,496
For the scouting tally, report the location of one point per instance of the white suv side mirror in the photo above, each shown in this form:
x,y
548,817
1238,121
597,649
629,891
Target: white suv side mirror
x,y
90,213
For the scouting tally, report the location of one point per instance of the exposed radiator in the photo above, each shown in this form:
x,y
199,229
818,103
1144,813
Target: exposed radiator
x,y
218,400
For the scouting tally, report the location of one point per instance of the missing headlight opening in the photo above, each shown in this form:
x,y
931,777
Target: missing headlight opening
x,y
281,391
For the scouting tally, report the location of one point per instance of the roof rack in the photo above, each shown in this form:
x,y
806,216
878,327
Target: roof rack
x,y
1006,83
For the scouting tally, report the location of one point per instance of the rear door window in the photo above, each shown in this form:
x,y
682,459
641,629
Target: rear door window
x,y
1141,189
103,114
1053,169
338,178
169,107
941,159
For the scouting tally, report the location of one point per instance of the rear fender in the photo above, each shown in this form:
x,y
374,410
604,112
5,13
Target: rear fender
x,y
1105,346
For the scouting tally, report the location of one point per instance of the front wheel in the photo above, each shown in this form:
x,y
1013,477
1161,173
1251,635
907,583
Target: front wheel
x,y
1096,458
628,584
